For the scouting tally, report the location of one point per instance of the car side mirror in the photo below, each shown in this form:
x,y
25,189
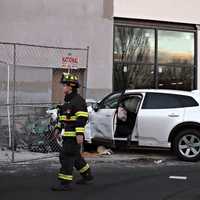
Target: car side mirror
x,y
95,107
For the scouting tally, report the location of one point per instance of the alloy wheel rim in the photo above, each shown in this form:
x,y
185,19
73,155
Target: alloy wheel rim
x,y
189,146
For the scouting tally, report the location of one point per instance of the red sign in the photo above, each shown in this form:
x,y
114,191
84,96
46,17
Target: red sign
x,y
70,60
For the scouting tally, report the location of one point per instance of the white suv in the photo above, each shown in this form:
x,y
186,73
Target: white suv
x,y
153,118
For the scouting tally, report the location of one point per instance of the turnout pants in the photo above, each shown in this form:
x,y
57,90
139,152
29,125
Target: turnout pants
x,y
70,157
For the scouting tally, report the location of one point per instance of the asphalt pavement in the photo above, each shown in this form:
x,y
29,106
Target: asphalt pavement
x,y
116,177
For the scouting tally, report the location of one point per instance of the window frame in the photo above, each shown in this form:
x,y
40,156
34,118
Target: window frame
x,y
157,25
178,97
132,96
101,104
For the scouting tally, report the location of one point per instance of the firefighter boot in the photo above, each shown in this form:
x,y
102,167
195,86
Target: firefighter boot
x,y
62,186
86,178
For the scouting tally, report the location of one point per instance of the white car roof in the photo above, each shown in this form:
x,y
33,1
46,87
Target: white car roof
x,y
188,93
194,93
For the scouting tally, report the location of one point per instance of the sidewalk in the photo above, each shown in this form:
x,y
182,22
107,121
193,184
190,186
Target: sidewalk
x,y
26,156
23,156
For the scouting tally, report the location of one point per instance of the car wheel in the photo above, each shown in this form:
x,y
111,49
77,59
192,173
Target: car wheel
x,y
186,145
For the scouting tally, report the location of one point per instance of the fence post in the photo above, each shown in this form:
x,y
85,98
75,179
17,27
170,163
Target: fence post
x,y
14,82
8,106
85,73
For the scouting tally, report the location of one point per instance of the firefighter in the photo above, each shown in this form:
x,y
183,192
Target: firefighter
x,y
72,120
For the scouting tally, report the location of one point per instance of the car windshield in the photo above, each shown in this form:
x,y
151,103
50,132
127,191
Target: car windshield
x,y
110,101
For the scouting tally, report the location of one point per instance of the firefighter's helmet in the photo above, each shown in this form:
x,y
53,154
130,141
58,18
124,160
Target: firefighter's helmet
x,y
70,79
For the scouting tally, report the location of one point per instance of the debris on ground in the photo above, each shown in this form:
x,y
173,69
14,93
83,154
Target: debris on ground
x,y
101,150
158,161
89,154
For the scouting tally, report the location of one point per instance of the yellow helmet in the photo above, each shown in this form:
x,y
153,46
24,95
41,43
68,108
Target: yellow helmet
x,y
70,79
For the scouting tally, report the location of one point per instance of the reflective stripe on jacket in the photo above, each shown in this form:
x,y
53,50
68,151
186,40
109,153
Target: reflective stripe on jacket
x,y
73,115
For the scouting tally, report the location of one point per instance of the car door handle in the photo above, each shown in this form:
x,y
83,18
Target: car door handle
x,y
107,115
173,115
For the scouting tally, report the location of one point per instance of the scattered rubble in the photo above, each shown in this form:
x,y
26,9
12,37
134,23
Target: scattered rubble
x,y
101,150
158,161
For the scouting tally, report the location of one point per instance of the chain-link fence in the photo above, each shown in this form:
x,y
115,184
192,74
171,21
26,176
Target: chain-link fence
x,y
29,86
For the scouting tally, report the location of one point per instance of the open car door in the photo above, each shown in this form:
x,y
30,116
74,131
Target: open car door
x,y
101,124
126,116
102,118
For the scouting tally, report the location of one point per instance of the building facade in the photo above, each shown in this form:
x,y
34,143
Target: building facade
x,y
155,44
132,43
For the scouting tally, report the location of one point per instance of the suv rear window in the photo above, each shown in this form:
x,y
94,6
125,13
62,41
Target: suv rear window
x,y
164,101
188,101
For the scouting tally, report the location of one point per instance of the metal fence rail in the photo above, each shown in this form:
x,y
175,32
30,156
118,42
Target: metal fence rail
x,y
26,81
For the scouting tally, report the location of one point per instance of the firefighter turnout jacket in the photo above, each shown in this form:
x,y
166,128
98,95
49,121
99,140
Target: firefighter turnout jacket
x,y
72,116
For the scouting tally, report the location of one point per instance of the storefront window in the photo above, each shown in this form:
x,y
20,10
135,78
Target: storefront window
x,y
175,60
175,77
175,47
153,58
134,45
130,76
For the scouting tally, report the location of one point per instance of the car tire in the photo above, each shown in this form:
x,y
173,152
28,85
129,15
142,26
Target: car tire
x,y
186,145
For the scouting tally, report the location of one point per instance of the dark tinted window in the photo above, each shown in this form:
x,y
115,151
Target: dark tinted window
x,y
164,101
187,101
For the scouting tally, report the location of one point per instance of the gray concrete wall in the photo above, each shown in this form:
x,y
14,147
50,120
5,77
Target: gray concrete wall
x,y
65,23
170,10
33,85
